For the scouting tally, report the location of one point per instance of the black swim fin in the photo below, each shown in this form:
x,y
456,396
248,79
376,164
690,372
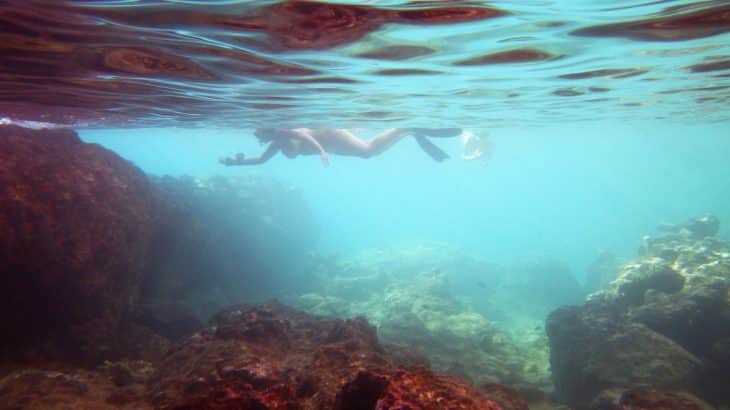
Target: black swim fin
x,y
438,132
432,150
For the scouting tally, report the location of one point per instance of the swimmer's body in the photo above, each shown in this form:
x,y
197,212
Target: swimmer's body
x,y
308,141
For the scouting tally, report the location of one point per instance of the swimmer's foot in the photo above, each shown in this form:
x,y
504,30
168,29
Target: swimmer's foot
x,y
437,132
429,148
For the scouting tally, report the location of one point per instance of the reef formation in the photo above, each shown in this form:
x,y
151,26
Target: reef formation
x,y
99,319
457,309
663,323
109,276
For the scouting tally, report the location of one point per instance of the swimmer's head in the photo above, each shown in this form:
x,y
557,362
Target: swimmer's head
x,y
266,134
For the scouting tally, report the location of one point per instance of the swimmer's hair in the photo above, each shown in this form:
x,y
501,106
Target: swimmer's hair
x,y
265,134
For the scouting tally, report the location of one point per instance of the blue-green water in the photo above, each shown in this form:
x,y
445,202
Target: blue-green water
x,y
568,190
540,266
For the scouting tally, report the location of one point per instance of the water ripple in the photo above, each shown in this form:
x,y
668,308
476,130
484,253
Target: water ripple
x,y
304,63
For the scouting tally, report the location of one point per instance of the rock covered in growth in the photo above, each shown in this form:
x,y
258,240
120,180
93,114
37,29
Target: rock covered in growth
x,y
679,289
635,279
703,227
117,385
694,318
593,348
646,399
272,356
418,308
74,231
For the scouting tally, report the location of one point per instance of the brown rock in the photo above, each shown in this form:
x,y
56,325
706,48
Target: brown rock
x,y
272,356
74,230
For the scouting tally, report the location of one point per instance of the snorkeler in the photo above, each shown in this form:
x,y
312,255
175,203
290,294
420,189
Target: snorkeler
x,y
306,141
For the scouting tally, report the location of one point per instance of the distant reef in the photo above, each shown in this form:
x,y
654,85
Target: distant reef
x,y
469,317
662,324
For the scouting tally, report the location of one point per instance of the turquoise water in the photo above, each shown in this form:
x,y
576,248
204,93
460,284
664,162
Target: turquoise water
x,y
605,120
568,190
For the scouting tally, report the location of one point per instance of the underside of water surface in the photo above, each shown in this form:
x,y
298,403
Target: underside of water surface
x,y
296,63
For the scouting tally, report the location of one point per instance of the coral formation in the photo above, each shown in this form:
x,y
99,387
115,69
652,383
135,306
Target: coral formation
x,y
664,322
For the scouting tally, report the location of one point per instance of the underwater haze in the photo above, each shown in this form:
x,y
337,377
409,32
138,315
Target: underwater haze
x,y
567,190
547,225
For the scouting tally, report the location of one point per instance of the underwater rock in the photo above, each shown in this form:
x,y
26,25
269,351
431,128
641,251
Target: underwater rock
x,y
679,289
646,399
171,320
702,227
505,396
220,240
272,356
635,279
593,348
77,388
415,309
74,232
694,319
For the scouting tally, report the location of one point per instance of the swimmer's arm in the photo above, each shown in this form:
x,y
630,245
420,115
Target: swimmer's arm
x,y
240,159
308,138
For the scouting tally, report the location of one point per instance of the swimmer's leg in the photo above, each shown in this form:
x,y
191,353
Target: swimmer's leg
x,y
384,141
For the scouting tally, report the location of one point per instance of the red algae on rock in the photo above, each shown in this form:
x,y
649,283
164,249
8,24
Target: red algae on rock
x,y
74,231
272,356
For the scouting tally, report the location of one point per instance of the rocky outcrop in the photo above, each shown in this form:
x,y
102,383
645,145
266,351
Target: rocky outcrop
x,y
646,399
271,356
635,279
662,323
119,385
593,349
74,232
258,357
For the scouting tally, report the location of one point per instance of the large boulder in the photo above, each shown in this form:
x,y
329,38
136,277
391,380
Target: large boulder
x,y
635,279
593,348
695,318
74,232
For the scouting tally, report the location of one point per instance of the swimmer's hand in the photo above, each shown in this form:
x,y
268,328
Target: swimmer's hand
x,y
237,160
325,158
